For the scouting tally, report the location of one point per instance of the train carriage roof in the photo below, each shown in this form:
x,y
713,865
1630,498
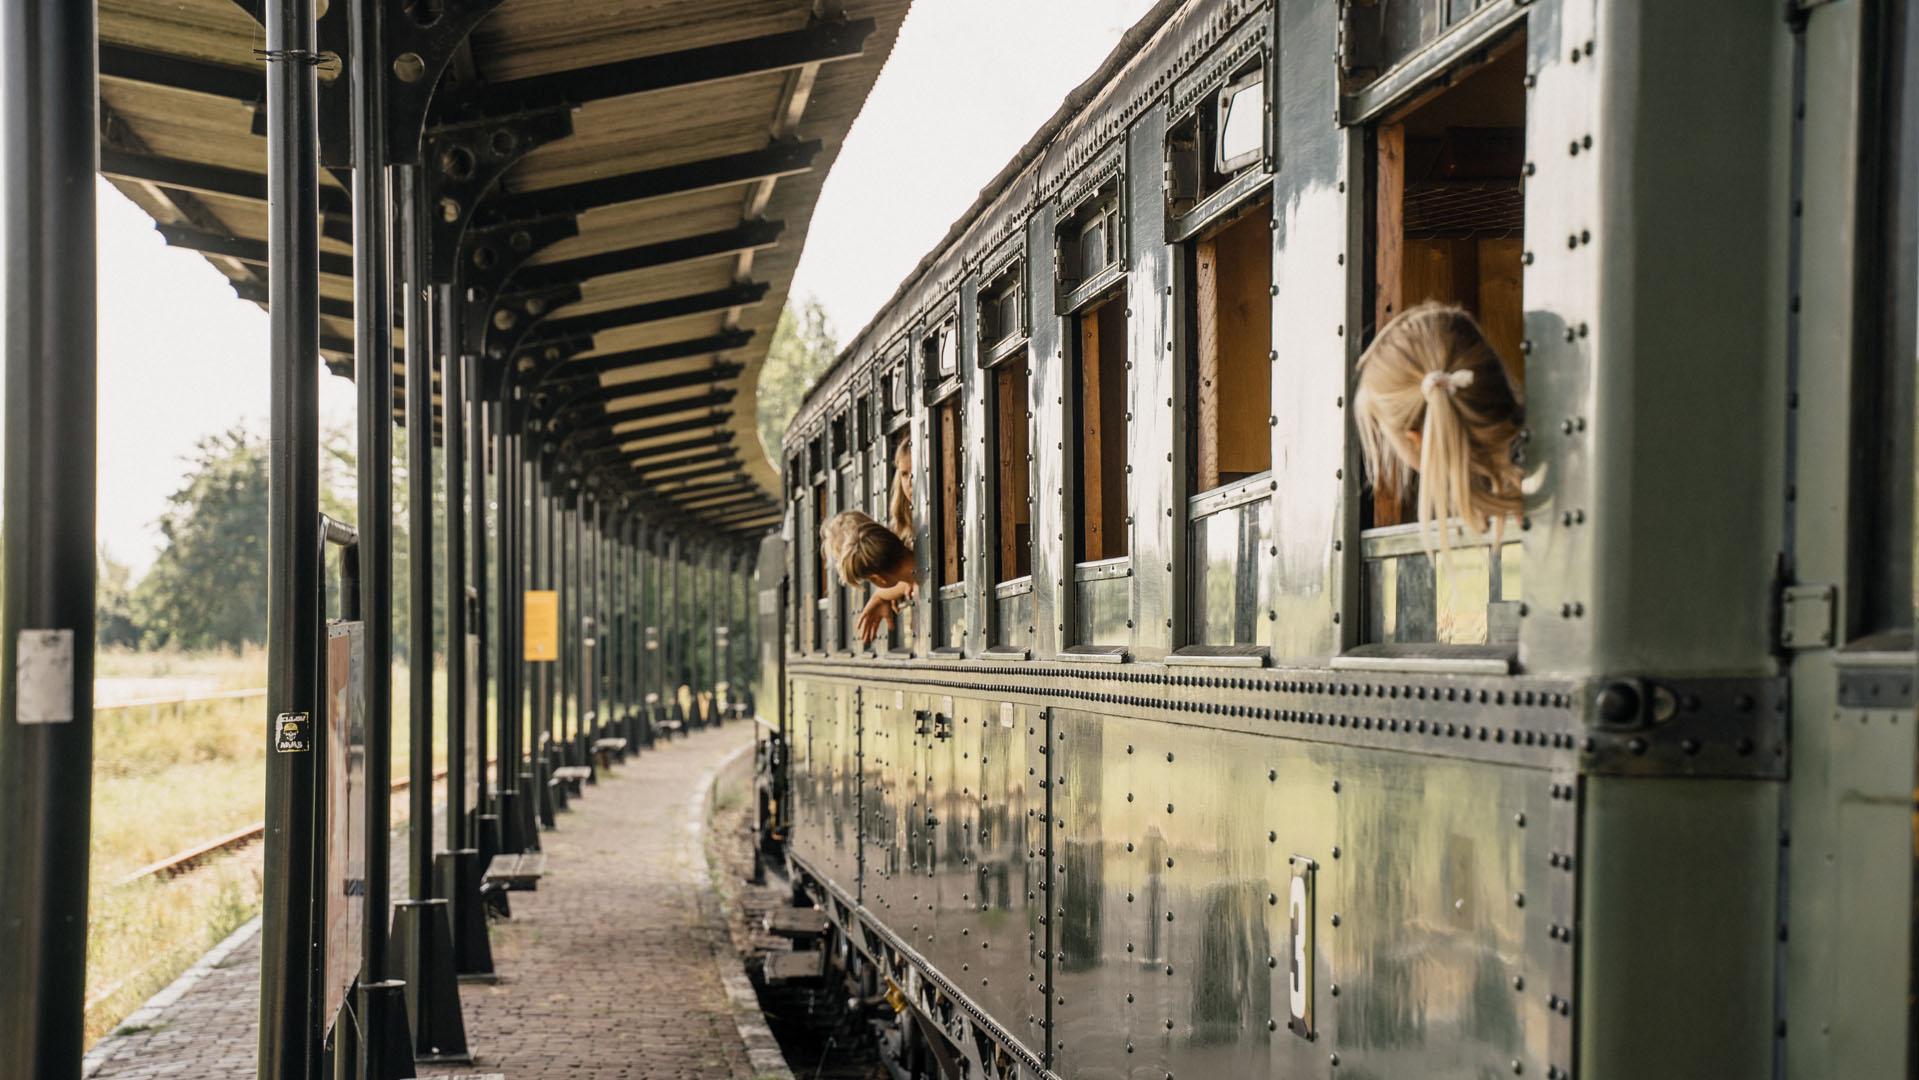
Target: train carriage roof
x,y
1093,101
693,140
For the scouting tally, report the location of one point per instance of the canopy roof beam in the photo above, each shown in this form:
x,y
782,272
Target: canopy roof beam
x,y
819,42
776,159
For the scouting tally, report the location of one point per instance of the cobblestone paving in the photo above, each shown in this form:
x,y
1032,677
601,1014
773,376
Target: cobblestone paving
x,y
607,972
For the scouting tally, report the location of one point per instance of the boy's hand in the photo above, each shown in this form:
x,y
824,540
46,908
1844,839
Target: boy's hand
x,y
877,610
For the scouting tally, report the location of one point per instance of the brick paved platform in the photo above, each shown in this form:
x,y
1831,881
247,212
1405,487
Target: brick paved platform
x,y
611,970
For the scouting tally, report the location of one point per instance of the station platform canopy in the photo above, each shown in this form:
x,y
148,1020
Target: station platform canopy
x,y
621,190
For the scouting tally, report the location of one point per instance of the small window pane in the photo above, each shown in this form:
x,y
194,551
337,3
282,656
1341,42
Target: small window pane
x,y
1094,247
948,349
1242,135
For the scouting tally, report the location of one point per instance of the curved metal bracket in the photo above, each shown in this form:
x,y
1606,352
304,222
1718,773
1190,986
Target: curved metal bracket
x,y
464,163
419,46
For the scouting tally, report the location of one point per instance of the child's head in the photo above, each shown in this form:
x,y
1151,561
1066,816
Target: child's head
x,y
900,509
865,550
1433,399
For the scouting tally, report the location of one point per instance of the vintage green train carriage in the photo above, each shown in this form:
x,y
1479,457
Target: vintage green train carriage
x,y
1191,760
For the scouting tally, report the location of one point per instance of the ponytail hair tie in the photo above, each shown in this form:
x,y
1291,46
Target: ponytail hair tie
x,y
1450,381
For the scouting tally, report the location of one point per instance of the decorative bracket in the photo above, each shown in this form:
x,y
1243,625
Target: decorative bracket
x,y
514,316
419,44
490,256
465,161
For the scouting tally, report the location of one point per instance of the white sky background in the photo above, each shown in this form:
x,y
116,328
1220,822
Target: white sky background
x,y
968,82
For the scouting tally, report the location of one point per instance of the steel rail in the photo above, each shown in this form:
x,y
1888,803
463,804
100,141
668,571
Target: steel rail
x,y
190,859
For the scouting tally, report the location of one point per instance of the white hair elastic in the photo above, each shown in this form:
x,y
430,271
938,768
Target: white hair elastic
x,y
1452,381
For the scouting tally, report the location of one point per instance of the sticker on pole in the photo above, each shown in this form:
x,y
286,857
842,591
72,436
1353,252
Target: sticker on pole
x,y
43,674
542,635
292,733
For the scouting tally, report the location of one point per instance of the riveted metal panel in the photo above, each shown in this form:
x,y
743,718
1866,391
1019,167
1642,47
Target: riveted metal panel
x,y
826,780
1314,275
1848,905
1052,479
888,758
982,458
1155,470
1678,912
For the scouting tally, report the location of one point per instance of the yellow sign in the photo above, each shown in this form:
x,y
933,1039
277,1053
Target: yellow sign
x,y
542,625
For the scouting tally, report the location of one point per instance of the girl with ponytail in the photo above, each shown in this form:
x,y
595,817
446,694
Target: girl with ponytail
x,y
1433,400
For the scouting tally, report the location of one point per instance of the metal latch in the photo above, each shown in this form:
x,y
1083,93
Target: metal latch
x,y
1806,616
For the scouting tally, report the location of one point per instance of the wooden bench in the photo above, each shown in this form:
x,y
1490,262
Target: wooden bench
x,y
514,873
609,749
573,776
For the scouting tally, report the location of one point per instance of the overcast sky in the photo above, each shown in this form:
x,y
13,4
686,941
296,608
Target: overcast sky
x,y
182,358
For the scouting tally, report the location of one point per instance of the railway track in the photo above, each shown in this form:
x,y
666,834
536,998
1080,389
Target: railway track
x,y
192,858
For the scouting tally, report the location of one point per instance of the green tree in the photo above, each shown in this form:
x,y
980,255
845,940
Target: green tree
x,y
803,348
113,618
208,587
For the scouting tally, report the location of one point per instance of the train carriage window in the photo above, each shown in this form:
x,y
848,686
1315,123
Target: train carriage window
x,y
939,350
1219,143
1090,245
1013,477
1001,315
949,479
1099,375
1239,121
1447,224
1230,323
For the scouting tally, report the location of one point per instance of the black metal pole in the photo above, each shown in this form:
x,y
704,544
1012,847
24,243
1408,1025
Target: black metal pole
x,y
384,1051
422,927
46,707
289,1024
565,547
419,541
453,450
715,618
481,629
506,667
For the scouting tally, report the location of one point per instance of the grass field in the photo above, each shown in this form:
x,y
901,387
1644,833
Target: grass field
x,y
167,777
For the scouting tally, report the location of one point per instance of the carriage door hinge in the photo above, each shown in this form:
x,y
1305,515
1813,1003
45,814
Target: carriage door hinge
x,y
1806,616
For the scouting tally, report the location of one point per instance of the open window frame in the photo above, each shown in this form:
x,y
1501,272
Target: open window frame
x,y
1004,323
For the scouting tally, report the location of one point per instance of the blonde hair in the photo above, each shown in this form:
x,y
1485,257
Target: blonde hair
x,y
861,547
1431,370
901,507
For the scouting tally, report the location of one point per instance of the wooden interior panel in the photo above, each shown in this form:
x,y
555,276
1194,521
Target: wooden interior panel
x,y
1014,475
1102,375
1502,311
1389,189
952,467
1233,391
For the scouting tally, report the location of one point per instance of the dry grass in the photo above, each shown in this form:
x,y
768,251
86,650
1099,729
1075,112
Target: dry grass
x,y
166,779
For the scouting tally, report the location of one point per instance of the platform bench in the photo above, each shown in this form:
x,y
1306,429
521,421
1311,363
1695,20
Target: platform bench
x,y
609,749
573,776
515,873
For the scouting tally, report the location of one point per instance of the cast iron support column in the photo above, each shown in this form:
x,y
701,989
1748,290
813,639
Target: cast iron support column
x,y
635,642
716,572
541,740
644,660
422,928
386,1051
46,707
485,833
289,1022
459,870
506,665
